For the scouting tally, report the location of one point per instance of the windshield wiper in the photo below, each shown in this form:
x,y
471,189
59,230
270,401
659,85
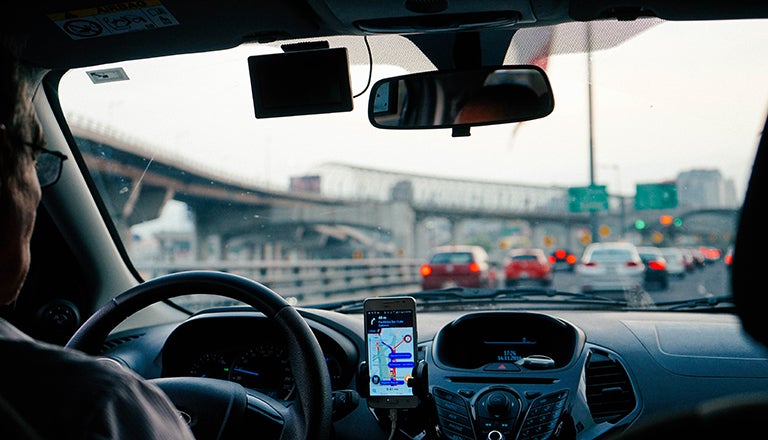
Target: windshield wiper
x,y
709,302
520,292
457,295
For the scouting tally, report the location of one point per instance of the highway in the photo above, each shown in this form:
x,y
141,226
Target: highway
x,y
710,280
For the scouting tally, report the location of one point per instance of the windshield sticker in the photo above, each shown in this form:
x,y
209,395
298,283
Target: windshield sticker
x,y
117,18
107,75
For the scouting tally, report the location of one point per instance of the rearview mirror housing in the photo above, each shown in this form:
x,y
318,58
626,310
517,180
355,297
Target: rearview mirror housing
x,y
461,98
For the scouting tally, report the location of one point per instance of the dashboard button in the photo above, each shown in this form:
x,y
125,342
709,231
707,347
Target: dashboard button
x,y
467,393
501,366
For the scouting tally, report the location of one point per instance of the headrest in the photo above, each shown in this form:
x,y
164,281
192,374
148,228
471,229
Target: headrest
x,y
749,256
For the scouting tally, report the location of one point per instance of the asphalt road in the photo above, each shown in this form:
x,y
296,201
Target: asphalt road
x,y
710,280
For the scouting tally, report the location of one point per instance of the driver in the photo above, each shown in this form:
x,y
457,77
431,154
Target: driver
x,y
498,103
55,392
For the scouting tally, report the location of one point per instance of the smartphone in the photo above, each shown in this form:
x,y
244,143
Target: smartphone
x,y
390,340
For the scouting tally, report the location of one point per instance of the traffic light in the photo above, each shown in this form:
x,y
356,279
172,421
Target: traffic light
x,y
666,219
639,224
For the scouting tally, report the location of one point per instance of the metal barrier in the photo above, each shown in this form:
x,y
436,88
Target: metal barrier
x,y
312,281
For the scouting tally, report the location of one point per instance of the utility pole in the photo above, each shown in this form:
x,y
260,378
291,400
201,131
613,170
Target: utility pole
x,y
593,216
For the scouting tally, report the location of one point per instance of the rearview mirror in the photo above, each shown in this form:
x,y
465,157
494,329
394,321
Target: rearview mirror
x,y
461,98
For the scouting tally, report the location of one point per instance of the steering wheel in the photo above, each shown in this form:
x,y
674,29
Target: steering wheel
x,y
218,408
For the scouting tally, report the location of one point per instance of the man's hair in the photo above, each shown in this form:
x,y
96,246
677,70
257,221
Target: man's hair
x,y
9,80
16,112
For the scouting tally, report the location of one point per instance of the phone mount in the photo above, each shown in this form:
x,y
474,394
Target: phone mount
x,y
419,380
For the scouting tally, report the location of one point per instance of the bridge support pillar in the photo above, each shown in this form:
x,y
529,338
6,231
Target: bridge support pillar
x,y
210,247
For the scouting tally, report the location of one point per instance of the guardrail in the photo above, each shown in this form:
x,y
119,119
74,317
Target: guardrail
x,y
310,281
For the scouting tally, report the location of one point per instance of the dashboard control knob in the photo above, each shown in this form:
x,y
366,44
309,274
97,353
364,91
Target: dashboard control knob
x,y
495,435
499,404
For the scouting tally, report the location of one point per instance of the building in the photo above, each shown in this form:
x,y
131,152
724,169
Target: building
x,y
705,188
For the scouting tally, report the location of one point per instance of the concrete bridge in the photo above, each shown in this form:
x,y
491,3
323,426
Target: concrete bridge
x,y
345,211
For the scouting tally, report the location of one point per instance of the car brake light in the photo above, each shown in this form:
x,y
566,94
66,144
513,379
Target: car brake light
x,y
571,259
560,253
426,270
552,259
632,264
657,265
590,264
728,259
474,267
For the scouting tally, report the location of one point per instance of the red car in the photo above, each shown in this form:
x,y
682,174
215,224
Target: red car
x,y
527,264
457,265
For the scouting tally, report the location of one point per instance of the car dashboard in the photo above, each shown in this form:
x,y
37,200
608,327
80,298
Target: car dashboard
x,y
484,375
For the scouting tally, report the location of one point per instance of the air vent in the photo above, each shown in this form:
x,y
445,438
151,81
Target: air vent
x,y
116,342
609,392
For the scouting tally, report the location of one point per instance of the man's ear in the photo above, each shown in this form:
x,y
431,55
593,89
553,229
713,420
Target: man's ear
x,y
5,148
4,134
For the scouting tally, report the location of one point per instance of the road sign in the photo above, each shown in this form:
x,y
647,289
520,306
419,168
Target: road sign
x,y
656,196
587,198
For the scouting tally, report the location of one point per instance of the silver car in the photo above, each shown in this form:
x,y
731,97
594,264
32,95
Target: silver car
x,y
610,266
675,261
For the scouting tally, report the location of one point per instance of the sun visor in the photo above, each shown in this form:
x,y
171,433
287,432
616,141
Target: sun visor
x,y
302,82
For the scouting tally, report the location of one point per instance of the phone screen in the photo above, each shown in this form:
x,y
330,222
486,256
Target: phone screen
x,y
390,326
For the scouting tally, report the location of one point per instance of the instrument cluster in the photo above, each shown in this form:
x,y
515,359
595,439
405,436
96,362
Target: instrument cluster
x,y
247,349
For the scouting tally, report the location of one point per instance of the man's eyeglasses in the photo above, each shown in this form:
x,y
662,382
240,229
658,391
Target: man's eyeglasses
x,y
48,166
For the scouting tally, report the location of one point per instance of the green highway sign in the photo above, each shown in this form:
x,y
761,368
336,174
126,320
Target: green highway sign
x,y
656,196
591,198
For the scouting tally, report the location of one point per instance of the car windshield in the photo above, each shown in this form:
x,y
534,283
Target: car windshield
x,y
610,255
524,257
651,142
452,258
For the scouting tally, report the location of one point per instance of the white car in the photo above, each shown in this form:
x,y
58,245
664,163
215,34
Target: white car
x,y
610,266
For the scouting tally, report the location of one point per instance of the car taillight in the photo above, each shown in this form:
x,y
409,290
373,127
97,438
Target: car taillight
x,y
571,259
552,259
425,270
590,264
632,264
728,259
657,265
474,267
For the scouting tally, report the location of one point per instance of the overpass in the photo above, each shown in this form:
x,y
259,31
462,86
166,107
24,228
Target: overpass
x,y
383,213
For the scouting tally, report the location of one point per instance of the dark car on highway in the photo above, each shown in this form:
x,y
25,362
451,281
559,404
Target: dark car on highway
x,y
563,259
656,273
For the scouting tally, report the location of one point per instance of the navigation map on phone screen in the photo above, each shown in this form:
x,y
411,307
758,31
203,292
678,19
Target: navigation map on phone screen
x,y
391,351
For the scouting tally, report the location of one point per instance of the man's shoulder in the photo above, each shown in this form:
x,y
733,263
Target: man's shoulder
x,y
31,357
94,394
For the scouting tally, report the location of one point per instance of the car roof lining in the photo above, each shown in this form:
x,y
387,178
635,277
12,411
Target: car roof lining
x,y
235,22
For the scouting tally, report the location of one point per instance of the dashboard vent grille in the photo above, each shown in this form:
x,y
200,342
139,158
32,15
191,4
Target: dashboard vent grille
x,y
609,393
